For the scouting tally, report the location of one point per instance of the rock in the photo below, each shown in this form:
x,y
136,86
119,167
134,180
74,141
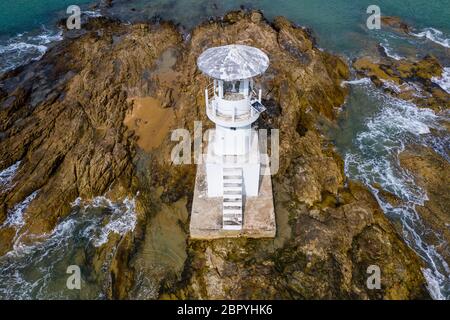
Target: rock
x,y
65,123
432,173
74,144
396,23
391,198
407,80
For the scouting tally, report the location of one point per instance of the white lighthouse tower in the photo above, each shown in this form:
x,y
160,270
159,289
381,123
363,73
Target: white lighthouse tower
x,y
232,164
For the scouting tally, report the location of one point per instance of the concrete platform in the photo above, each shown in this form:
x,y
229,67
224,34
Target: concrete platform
x,y
206,215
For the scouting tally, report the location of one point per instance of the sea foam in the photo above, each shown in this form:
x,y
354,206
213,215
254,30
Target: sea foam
x,y
24,48
356,82
444,80
120,220
375,160
434,35
389,51
7,175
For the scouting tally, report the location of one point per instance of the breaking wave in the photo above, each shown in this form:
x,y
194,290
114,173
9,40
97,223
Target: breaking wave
x,y
92,13
7,175
122,218
38,271
374,160
434,35
24,48
31,46
444,80
356,82
389,51
15,216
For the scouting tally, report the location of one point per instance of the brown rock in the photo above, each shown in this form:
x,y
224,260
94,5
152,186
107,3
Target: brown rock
x,y
407,80
432,173
68,129
396,23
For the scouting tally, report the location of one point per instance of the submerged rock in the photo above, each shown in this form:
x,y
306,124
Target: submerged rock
x,y
396,23
63,117
407,80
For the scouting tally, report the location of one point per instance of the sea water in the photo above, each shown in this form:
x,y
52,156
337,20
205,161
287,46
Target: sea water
x,y
373,127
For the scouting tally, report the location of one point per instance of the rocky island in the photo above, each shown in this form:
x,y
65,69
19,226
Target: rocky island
x,y
93,118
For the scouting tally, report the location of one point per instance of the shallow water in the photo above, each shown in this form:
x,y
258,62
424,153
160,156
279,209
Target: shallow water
x,y
373,128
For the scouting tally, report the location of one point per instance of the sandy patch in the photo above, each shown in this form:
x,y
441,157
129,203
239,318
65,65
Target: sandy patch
x,y
150,122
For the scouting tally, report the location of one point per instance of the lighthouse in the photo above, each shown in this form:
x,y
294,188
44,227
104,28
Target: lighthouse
x,y
233,193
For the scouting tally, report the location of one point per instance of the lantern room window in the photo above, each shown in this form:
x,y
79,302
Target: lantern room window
x,y
233,90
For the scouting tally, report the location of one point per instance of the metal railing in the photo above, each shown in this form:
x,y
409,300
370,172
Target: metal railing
x,y
212,105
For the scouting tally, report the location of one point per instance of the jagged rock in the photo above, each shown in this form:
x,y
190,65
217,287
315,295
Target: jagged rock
x,y
396,23
432,173
407,80
65,122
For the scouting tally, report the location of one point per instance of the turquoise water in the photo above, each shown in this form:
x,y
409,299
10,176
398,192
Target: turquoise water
x,y
27,27
338,25
373,128
24,15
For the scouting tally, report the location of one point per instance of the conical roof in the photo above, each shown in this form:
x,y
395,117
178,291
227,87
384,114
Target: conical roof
x,y
233,62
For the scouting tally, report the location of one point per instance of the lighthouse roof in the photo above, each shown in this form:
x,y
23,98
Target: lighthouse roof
x,y
233,62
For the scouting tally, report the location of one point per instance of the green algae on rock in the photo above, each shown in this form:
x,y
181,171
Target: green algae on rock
x,y
63,117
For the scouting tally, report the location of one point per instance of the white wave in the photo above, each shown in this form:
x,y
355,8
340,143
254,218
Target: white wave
x,y
18,47
391,85
406,86
444,80
92,13
356,82
434,35
375,161
433,284
389,52
37,270
15,216
7,175
120,221
24,48
43,258
47,37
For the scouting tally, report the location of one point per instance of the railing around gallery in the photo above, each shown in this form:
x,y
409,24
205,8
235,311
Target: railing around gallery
x,y
231,110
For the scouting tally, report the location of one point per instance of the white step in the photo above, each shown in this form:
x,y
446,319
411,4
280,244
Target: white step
x,y
232,196
232,211
232,199
232,203
232,180
232,223
232,227
229,189
232,171
235,207
233,219
232,216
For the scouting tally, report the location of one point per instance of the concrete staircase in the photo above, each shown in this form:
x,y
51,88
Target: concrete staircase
x,y
232,198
